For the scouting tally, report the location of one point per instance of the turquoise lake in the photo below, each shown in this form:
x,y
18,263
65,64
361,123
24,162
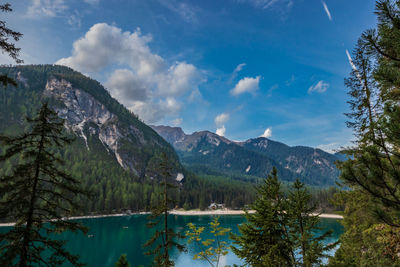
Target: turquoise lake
x,y
110,237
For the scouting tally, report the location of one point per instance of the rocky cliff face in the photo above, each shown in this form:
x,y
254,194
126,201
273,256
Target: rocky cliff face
x,y
86,116
101,123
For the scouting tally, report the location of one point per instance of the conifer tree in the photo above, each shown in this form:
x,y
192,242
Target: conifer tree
x,y
164,238
7,46
281,227
302,223
374,166
37,194
264,239
122,261
372,213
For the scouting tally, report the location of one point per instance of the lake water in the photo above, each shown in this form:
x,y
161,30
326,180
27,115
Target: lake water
x,y
110,237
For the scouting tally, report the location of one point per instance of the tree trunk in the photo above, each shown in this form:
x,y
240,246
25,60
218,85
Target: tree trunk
x,y
26,238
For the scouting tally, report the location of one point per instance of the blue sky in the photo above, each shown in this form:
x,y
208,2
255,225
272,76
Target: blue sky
x,y
241,68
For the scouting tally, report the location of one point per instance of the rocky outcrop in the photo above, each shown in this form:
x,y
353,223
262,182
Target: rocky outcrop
x,y
84,115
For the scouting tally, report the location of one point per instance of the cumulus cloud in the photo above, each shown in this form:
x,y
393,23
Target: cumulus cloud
x,y
246,85
320,87
221,130
220,121
146,84
103,45
48,8
124,85
153,111
267,133
328,13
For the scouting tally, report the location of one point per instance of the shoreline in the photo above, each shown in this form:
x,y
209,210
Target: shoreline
x,y
181,213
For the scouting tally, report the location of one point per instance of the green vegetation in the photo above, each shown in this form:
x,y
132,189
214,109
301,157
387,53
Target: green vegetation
x,y
114,188
8,47
164,239
122,261
281,226
212,249
36,194
372,172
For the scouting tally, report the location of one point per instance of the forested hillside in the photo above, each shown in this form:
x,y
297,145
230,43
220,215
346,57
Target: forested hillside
x,y
208,153
115,155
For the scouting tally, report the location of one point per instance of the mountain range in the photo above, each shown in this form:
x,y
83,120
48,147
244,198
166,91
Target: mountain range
x,y
208,153
116,156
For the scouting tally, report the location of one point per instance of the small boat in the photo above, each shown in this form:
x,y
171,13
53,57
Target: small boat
x,y
90,236
125,227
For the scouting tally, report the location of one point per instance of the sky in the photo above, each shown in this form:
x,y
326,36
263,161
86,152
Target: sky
x,y
239,68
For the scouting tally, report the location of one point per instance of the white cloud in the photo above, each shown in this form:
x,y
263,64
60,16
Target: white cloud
x,y
154,111
236,71
246,85
267,133
177,122
272,89
221,119
186,11
353,66
266,4
103,45
146,84
48,8
239,67
124,85
221,130
328,13
320,87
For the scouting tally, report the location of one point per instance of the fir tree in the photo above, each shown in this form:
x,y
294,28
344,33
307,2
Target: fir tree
x,y
302,223
264,239
122,261
8,47
37,194
165,238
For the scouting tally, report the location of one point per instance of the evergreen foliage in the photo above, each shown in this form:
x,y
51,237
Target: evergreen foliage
x,y
164,238
375,163
372,207
264,239
212,249
7,46
37,194
302,223
122,261
281,226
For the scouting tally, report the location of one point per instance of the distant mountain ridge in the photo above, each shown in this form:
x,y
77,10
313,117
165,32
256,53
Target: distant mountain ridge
x,y
209,153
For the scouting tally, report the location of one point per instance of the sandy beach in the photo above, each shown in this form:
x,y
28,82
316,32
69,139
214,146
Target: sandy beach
x,y
181,213
236,212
